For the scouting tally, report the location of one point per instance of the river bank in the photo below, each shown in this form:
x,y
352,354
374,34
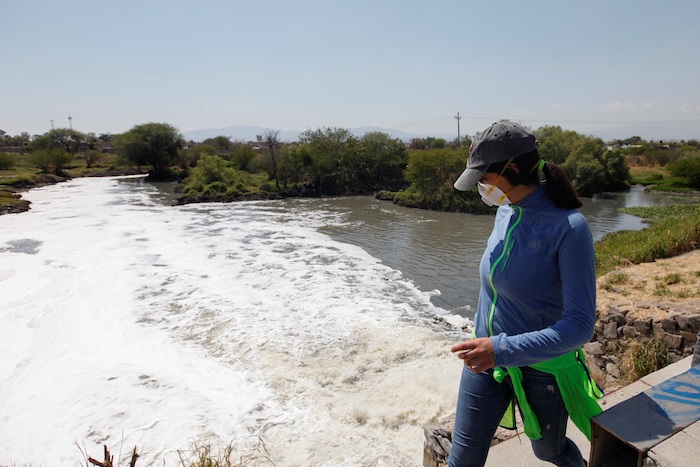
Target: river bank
x,y
11,189
648,316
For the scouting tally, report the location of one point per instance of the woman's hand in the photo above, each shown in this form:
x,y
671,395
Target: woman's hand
x,y
477,353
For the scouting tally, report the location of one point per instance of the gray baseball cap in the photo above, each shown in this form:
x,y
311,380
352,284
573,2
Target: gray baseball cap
x,y
499,142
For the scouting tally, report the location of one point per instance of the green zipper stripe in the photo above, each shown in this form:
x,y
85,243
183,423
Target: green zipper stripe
x,y
507,247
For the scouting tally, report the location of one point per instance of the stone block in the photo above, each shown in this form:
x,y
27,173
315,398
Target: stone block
x,y
614,315
673,358
610,330
669,325
673,341
438,441
643,326
598,327
612,370
689,337
594,348
689,323
597,361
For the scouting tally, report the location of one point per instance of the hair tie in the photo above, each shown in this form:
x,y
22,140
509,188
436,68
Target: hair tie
x,y
541,165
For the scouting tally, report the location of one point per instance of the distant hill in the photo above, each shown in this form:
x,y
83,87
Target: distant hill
x,y
237,133
250,133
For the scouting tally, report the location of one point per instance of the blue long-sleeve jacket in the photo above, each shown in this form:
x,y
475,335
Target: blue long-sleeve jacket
x,y
537,297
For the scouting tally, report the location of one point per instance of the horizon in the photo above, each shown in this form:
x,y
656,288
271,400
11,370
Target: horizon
x,y
249,133
620,69
205,133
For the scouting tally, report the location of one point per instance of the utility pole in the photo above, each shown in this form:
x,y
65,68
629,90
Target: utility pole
x,y
70,121
52,123
459,137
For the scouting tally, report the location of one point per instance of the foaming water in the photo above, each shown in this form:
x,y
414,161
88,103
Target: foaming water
x,y
128,323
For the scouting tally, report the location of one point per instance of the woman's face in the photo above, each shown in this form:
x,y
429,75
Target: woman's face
x,y
493,178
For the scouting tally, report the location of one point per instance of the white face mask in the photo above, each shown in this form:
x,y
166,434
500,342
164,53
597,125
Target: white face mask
x,y
492,195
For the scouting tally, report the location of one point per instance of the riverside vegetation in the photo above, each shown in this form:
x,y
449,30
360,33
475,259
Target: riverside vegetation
x,y
332,161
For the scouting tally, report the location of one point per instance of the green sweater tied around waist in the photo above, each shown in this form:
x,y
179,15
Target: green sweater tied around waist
x,y
578,390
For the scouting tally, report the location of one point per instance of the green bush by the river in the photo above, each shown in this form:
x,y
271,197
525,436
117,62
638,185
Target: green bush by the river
x,y
7,161
672,230
430,175
215,177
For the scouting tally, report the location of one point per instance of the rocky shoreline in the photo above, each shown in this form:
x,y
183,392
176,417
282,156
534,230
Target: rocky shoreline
x,y
658,300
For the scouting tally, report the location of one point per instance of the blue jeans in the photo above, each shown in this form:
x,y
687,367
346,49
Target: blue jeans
x,y
481,404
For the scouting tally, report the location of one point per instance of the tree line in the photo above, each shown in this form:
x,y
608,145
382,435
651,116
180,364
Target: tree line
x,y
333,161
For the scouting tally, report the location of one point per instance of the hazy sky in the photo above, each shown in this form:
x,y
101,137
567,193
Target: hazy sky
x,y
602,67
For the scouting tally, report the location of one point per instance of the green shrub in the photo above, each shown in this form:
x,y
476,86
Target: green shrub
x,y
688,168
613,279
215,189
211,169
7,161
241,156
50,160
214,176
268,187
432,169
587,174
673,278
260,163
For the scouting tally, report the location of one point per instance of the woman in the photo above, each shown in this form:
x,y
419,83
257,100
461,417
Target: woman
x,y
536,305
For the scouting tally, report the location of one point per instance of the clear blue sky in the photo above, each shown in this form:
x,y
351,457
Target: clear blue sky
x,y
602,67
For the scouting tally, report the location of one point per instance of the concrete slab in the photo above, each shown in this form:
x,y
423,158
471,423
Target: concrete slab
x,y
683,448
668,372
622,394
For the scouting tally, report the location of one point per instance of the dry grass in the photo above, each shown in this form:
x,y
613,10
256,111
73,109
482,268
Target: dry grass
x,y
639,359
674,280
200,454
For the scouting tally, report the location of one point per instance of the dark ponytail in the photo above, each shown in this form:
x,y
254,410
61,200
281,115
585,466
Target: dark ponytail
x,y
557,183
559,188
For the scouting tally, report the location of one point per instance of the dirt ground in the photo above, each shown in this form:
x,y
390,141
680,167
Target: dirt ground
x,y
645,287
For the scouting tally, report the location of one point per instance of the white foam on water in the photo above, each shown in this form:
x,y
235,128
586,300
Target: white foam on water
x,y
128,323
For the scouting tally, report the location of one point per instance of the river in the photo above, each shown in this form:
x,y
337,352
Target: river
x,y
305,332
